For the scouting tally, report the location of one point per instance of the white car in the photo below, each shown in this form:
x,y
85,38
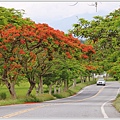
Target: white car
x,y
101,81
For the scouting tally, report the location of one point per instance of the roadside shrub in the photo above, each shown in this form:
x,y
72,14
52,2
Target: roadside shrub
x,y
58,96
110,79
91,82
64,94
46,97
2,96
32,98
118,96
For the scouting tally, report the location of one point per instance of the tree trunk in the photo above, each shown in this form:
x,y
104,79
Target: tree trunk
x,y
89,78
93,78
40,85
74,83
84,79
55,91
65,85
13,90
32,85
81,78
59,90
50,89
10,86
36,88
106,77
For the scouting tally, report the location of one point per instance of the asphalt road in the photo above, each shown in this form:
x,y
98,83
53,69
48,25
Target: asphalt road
x,y
91,102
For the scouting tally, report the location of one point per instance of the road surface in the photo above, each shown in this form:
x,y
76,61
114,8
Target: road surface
x,y
91,102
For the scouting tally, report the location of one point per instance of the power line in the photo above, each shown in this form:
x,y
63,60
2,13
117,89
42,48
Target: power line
x,y
93,4
74,4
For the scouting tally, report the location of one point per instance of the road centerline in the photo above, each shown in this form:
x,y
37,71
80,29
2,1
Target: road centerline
x,y
45,105
30,109
22,111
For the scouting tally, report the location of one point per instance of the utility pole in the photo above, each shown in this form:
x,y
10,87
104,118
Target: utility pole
x,y
95,5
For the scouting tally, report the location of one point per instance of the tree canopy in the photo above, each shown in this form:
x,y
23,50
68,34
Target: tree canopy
x,y
23,43
104,34
44,56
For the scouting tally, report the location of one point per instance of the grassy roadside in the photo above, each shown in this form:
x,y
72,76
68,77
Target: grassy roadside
x,y
116,103
44,97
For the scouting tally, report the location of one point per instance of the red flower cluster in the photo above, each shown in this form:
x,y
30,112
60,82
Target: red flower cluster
x,y
84,56
33,55
32,38
21,51
22,41
88,49
89,67
68,55
12,58
3,47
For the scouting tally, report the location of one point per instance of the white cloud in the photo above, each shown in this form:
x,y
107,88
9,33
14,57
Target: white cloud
x,y
48,12
58,10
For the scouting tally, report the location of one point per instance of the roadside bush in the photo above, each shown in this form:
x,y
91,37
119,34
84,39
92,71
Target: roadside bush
x,y
39,98
46,97
32,98
110,79
91,82
2,96
118,96
58,96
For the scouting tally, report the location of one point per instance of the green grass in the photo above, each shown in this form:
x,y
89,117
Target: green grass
x,y
116,103
110,79
22,90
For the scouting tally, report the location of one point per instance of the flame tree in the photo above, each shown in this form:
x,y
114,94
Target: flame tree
x,y
22,45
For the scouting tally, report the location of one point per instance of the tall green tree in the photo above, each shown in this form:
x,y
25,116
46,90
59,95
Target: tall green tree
x,y
104,34
13,16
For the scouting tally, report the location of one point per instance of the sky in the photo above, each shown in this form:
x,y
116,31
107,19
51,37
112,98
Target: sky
x,y
52,12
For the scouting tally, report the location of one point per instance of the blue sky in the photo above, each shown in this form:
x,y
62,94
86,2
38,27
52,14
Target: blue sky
x,y
59,14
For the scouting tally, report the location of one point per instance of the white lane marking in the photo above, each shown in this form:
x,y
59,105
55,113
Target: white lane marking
x,y
103,111
102,107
